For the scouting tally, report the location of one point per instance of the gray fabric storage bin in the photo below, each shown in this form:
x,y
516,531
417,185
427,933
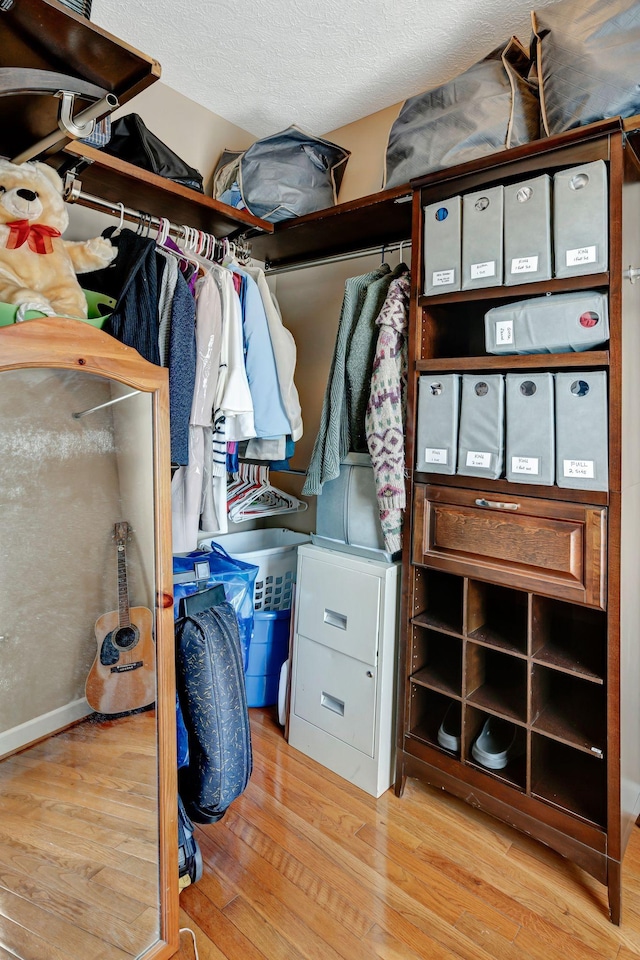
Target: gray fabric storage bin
x,y
482,245
581,220
442,246
582,460
530,445
481,433
347,514
558,323
437,431
527,230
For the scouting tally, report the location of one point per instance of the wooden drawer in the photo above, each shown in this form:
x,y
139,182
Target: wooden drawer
x,y
547,546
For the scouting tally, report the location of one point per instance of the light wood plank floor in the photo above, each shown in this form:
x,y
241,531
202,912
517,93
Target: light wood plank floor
x,y
304,865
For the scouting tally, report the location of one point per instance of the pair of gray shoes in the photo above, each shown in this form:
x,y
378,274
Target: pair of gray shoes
x,y
494,746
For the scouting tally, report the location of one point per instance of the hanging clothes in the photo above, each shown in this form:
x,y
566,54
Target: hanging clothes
x,y
331,444
386,411
360,355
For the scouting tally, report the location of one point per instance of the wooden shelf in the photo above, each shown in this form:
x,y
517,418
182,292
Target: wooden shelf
x,y
44,35
441,679
505,488
574,661
520,291
116,180
378,219
435,622
507,362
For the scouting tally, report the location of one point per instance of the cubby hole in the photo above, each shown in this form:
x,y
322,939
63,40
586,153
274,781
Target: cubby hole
x,y
436,661
497,616
569,637
512,735
569,779
427,711
454,330
496,682
438,600
569,709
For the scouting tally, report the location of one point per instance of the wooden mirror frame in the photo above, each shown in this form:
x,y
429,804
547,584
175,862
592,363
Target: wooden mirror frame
x,y
64,344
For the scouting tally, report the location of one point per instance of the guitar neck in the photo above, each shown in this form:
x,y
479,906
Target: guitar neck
x,y
124,617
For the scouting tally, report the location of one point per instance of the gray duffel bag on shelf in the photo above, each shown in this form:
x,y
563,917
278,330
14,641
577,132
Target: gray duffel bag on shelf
x,y
286,175
489,107
557,323
587,58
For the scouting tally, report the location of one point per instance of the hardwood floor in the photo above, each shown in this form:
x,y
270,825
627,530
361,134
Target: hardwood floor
x,y
78,842
305,865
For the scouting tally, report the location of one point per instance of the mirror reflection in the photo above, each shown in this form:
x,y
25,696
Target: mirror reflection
x,y
78,740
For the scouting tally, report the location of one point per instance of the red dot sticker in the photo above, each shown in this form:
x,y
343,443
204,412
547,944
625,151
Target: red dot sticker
x,y
589,319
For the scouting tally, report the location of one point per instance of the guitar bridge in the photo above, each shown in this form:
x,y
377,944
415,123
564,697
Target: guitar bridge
x,y
127,666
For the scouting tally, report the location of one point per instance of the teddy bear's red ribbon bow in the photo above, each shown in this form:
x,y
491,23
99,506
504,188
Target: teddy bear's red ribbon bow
x,y
37,236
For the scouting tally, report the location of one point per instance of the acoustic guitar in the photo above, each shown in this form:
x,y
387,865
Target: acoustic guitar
x,y
123,675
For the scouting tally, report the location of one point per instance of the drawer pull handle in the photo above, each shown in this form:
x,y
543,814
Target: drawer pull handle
x,y
332,703
496,504
334,619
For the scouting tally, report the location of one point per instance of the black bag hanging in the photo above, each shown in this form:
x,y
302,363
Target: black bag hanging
x,y
132,141
210,681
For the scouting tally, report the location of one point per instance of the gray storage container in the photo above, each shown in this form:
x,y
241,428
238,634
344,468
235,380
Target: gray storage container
x,y
347,515
481,434
530,446
482,246
442,246
581,220
582,460
557,323
437,432
527,231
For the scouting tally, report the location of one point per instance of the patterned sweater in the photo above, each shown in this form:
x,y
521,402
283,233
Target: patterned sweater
x,y
385,415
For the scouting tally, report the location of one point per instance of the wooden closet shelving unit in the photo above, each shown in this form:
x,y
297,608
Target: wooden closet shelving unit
x,y
499,619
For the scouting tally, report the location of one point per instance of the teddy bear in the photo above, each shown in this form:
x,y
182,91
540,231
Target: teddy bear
x,y
37,267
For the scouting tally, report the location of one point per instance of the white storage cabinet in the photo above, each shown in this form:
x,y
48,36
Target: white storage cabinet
x,y
343,670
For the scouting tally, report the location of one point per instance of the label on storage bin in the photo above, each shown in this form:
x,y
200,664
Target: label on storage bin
x,y
581,255
524,265
441,278
476,458
504,332
581,469
480,270
525,465
435,455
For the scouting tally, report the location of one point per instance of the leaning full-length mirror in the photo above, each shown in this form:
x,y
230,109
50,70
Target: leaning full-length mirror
x,y
85,733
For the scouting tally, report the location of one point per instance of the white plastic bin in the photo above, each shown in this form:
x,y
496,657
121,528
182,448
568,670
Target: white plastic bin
x,y
275,552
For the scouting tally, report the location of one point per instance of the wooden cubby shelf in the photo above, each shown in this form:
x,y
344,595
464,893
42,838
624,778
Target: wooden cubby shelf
x,y
529,587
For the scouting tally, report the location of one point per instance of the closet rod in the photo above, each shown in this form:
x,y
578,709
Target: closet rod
x,y
337,258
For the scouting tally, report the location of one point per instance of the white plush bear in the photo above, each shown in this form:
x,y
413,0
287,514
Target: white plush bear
x,y
38,267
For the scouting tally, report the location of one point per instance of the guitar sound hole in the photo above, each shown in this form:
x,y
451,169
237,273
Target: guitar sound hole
x,y
125,638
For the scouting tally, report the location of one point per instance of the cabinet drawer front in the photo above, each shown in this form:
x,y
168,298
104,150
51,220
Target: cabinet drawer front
x,y
550,547
339,608
335,693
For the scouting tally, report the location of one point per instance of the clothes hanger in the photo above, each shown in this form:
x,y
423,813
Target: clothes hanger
x,y
118,229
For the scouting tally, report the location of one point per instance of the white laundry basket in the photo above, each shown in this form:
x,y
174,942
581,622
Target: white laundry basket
x,y
275,552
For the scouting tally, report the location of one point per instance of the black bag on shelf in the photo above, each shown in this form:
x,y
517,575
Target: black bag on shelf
x,y
132,141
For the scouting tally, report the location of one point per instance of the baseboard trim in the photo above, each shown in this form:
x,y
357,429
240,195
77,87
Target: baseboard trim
x,y
43,726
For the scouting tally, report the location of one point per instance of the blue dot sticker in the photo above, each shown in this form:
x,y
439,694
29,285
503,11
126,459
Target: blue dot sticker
x,y
442,213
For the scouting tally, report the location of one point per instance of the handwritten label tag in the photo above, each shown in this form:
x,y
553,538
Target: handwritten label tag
x,y
435,455
581,255
582,469
476,458
524,264
480,270
441,278
504,332
525,465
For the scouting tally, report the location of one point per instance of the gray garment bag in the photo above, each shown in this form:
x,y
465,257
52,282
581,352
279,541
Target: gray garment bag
x,y
489,107
482,238
557,323
587,53
581,220
438,413
442,246
527,230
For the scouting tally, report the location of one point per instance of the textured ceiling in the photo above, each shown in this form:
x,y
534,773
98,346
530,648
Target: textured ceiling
x,y
320,65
